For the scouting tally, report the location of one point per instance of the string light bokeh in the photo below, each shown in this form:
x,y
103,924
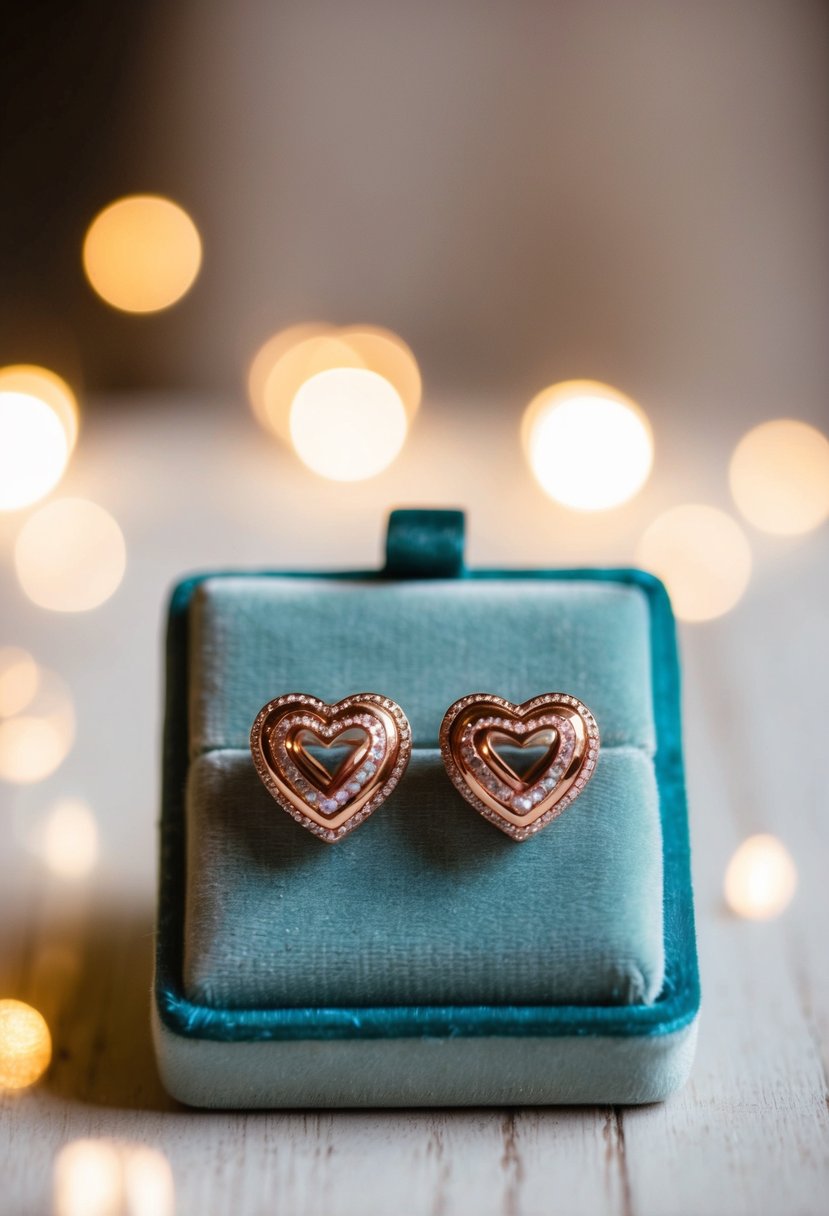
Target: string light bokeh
x,y
346,427
347,423
66,840
142,253
271,404
294,367
25,1045
589,446
702,556
779,475
109,1177
70,556
33,449
19,677
386,353
48,387
761,878
36,738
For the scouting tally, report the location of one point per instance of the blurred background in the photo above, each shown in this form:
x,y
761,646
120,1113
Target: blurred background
x,y
526,193
269,270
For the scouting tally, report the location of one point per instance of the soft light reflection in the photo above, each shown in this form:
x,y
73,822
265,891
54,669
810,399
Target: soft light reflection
x,y
295,367
761,878
386,353
109,1178
67,840
18,680
70,556
269,355
148,1182
33,449
347,424
291,357
35,743
30,749
25,1045
53,701
702,556
589,446
87,1180
779,476
142,253
49,388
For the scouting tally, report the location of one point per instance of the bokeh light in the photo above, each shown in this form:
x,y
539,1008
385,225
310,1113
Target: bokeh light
x,y
386,353
25,1045
266,359
110,1178
18,680
779,475
702,556
761,878
87,1179
35,743
148,1182
589,446
33,449
30,749
291,357
142,253
67,840
347,424
70,555
49,388
294,367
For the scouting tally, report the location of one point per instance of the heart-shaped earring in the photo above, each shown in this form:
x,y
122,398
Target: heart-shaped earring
x,y
330,802
560,731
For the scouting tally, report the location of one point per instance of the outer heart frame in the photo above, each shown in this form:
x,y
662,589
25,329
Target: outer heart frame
x,y
489,787
291,785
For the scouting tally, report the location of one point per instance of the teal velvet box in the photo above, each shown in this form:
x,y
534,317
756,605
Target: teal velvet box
x,y
427,959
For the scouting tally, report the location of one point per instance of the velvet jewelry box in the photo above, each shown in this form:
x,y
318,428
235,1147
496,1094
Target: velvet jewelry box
x,y
427,959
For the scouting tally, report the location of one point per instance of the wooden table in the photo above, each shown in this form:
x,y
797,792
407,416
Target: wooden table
x,y
749,1134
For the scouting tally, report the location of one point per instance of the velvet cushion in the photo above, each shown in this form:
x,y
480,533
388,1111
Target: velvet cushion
x,y
426,903
423,643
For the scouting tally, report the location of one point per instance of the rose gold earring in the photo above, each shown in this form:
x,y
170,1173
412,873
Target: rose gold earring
x,y
330,802
476,727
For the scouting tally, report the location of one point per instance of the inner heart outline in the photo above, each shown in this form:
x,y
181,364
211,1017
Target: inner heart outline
x,y
334,794
330,805
327,780
492,740
519,808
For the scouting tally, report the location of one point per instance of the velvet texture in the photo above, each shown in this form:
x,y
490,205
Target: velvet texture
x,y
426,903
423,643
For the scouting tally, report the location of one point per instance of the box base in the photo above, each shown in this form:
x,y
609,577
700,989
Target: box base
x,y
475,1071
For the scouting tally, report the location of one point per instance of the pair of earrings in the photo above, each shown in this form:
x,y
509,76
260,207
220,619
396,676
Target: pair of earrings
x,y
476,730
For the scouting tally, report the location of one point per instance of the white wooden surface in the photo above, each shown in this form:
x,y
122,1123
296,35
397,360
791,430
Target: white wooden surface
x,y
749,1134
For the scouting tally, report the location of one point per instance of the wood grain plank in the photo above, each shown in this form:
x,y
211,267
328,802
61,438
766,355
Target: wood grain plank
x,y
750,1133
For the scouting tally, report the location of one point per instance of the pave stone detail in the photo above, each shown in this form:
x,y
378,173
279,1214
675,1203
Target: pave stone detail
x,y
354,712
568,766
